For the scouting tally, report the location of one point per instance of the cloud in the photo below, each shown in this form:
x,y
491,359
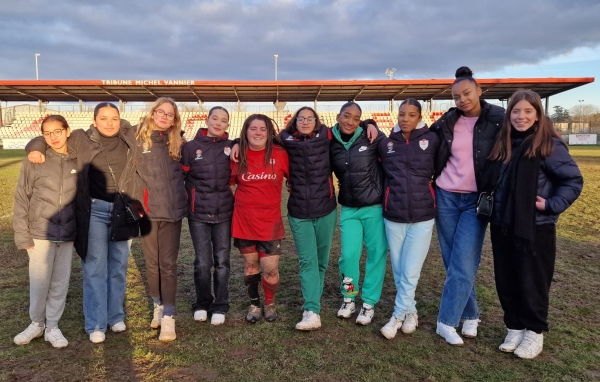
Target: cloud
x,y
235,39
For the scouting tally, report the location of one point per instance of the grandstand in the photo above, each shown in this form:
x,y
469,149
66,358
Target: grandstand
x,y
27,125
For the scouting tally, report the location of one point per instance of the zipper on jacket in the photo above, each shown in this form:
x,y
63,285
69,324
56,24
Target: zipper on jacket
x,y
215,179
306,185
408,180
60,194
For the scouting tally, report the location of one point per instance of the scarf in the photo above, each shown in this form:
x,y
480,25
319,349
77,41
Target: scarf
x,y
520,192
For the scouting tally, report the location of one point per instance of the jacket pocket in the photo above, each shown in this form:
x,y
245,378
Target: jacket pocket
x,y
146,197
432,194
193,200
385,200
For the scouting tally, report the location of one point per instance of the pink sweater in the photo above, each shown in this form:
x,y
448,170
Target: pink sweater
x,y
459,173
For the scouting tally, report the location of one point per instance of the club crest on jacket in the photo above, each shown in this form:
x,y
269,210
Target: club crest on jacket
x,y
423,144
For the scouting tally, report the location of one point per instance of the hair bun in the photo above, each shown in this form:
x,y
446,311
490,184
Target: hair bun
x,y
463,71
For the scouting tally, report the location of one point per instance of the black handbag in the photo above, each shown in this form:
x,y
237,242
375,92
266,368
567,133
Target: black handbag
x,y
485,204
135,211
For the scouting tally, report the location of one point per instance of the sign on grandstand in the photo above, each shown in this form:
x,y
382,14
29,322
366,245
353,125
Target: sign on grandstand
x,y
15,143
583,139
148,82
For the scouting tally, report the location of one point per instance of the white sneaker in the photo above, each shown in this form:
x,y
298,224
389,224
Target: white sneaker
x,y
310,321
217,319
348,307
411,321
512,341
118,327
366,315
391,328
531,346
157,316
200,315
56,338
469,328
449,334
97,337
167,329
34,330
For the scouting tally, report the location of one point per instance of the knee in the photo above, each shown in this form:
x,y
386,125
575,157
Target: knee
x,y
252,267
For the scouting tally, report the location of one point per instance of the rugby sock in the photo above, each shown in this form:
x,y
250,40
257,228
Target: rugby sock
x,y
270,290
251,282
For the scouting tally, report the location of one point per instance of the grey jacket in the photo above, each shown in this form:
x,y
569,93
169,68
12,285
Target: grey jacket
x,y
45,200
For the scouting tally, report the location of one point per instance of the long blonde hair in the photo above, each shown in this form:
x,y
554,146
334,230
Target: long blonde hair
x,y
147,125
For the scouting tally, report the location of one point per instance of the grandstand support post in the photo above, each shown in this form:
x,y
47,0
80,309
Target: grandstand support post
x,y
80,106
200,105
1,119
547,105
430,104
40,106
391,105
315,105
122,106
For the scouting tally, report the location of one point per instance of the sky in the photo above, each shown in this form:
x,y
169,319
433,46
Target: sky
x,y
341,39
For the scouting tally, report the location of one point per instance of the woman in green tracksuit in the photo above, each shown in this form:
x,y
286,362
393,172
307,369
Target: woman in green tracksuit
x,y
355,164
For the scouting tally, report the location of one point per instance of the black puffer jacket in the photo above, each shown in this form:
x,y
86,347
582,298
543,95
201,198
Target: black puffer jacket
x,y
408,167
45,200
87,145
160,180
206,164
559,182
312,195
484,136
358,170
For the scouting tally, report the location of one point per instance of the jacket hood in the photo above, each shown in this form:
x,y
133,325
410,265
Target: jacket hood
x,y
419,126
202,135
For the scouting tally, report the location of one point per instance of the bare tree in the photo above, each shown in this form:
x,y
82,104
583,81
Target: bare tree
x,y
584,113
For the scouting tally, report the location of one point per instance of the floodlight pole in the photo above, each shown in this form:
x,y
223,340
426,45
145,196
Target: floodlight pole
x,y
276,56
37,77
390,72
581,113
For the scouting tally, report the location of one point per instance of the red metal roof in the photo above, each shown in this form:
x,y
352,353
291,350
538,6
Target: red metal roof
x,y
269,91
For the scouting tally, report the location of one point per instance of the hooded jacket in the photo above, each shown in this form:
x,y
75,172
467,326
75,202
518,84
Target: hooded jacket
x,y
45,200
408,166
357,168
312,193
160,180
205,162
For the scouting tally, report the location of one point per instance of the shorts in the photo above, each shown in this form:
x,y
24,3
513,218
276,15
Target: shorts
x,y
271,247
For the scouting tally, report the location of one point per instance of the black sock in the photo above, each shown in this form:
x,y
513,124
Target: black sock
x,y
252,282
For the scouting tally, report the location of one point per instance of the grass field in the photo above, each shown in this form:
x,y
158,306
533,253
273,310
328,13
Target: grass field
x,y
340,351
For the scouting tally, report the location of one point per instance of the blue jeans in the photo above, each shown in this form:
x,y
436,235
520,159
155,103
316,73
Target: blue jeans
x,y
461,236
212,244
409,244
104,271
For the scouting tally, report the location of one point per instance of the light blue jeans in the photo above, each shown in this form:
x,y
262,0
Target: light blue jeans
x,y
409,244
104,272
461,236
